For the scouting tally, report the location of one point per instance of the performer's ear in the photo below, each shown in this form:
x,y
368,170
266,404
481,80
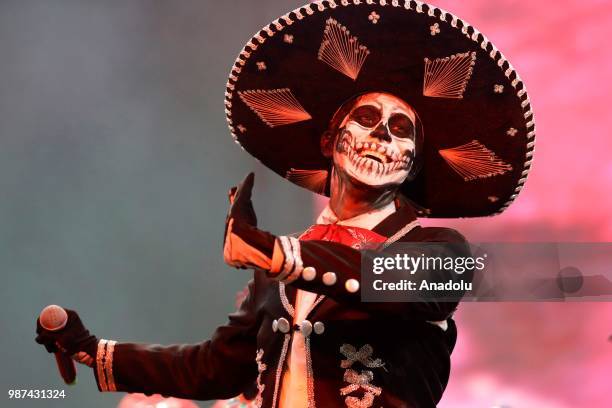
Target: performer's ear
x,y
327,143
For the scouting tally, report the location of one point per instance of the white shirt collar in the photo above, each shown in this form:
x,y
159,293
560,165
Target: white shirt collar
x,y
366,220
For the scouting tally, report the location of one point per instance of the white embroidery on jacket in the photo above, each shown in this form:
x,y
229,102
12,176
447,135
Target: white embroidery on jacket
x,y
359,380
363,355
261,367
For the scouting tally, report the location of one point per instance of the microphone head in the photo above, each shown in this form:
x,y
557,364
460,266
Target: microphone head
x,y
53,318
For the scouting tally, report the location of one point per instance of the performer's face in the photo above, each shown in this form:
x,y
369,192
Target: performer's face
x,y
376,141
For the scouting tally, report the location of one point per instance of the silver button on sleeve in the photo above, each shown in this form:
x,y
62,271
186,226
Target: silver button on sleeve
x,y
352,285
329,278
309,273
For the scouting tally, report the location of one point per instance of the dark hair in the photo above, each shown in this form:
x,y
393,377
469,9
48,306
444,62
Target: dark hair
x,y
346,108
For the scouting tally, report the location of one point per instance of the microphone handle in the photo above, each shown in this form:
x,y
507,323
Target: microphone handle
x,y
66,367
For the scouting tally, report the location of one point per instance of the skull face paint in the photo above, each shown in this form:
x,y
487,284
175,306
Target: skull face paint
x,y
375,144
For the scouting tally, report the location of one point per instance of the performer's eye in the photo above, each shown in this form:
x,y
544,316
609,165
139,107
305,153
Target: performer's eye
x,y
366,115
401,126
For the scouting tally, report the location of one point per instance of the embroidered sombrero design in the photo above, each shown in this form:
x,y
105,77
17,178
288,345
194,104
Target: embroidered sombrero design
x,y
479,130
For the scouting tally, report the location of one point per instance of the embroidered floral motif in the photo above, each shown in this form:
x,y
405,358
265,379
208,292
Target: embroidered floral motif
x,y
374,17
363,355
511,132
288,38
435,29
498,88
261,66
363,242
359,380
261,367
365,402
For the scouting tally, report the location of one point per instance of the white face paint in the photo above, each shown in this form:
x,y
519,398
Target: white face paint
x,y
376,141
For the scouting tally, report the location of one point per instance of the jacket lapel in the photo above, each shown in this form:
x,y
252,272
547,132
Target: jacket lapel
x,y
396,222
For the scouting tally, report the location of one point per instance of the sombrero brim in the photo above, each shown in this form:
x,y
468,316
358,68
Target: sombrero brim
x,y
479,130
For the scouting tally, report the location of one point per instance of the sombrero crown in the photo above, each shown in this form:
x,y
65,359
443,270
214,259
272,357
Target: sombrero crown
x,y
479,131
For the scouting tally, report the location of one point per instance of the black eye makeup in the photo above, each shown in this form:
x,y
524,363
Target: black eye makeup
x,y
401,126
366,115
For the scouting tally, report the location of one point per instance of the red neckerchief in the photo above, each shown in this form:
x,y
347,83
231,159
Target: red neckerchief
x,y
355,237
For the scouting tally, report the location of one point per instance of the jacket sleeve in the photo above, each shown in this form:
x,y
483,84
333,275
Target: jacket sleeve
x,y
337,274
221,367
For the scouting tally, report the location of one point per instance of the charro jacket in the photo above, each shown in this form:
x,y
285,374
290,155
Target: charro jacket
x,y
359,354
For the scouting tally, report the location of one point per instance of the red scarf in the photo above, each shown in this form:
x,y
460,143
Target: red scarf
x,y
355,237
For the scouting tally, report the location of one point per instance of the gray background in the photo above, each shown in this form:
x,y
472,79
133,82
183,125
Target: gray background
x,y
115,160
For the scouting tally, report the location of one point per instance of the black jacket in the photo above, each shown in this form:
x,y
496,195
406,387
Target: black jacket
x,y
368,354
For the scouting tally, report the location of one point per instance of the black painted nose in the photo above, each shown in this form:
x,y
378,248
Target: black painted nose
x,y
381,133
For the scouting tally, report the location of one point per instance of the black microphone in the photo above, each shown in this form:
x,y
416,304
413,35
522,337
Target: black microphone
x,y
54,318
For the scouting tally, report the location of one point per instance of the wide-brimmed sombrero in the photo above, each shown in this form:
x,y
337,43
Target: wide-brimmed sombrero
x,y
478,125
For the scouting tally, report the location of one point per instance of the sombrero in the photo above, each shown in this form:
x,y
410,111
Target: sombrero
x,y
479,130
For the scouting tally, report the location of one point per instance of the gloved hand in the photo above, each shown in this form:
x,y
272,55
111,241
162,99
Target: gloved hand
x,y
74,339
245,246
241,206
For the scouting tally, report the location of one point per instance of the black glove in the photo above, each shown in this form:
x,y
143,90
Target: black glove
x,y
244,245
74,338
241,206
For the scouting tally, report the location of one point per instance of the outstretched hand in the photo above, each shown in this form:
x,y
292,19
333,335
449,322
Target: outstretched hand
x,y
241,206
244,245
